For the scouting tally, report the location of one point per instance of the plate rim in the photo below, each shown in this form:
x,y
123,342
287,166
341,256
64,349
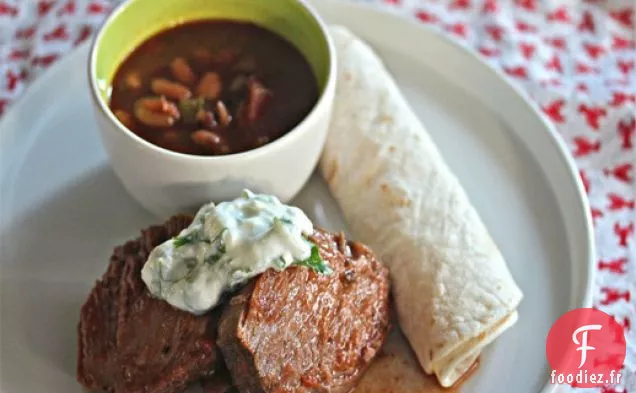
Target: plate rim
x,y
80,51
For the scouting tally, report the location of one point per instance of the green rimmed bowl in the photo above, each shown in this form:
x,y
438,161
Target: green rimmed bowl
x,y
166,182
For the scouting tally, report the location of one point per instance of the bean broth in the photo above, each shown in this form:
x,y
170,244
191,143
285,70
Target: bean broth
x,y
213,87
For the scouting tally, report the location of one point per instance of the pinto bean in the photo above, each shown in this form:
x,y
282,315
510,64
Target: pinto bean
x,y
156,112
170,89
261,140
206,119
257,97
182,71
171,109
205,138
125,118
225,118
161,105
210,86
202,56
133,80
209,141
153,119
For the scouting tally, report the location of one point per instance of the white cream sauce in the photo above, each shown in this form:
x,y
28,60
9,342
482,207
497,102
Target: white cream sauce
x,y
226,245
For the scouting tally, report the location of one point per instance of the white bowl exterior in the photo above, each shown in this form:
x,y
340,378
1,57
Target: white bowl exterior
x,y
167,184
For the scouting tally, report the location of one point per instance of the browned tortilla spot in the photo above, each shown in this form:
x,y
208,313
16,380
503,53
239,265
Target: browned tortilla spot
x,y
384,118
401,201
332,169
404,202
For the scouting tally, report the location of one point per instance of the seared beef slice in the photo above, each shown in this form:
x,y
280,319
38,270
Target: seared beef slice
x,y
299,331
130,342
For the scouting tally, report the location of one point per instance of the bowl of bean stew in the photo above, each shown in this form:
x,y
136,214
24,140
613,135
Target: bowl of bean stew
x,y
196,100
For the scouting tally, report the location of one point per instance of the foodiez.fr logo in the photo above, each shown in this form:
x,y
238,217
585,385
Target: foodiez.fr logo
x,y
586,348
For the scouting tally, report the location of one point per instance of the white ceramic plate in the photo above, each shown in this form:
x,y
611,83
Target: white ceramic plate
x,y
63,210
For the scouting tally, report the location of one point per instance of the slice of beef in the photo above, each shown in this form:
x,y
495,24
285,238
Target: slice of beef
x,y
131,342
299,331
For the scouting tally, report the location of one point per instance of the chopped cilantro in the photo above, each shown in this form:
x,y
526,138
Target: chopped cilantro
x,y
219,238
191,276
280,221
214,258
280,263
190,263
315,262
286,221
183,240
189,108
242,270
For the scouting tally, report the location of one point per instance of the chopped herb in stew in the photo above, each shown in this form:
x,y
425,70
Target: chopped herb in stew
x,y
213,87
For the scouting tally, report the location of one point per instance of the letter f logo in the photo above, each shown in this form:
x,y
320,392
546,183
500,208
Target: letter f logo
x,y
583,344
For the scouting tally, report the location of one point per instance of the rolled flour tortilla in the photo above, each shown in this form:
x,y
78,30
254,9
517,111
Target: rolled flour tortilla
x,y
452,288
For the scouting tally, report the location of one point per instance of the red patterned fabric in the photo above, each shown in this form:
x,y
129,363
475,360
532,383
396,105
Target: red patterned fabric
x,y
575,58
